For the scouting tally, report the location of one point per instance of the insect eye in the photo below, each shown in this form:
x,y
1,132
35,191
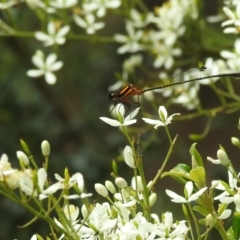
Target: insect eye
x,y
111,95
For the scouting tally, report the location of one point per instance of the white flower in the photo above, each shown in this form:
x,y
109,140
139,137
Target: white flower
x,y
233,58
45,67
189,196
8,4
53,36
61,4
26,182
164,55
88,23
131,41
216,67
101,6
120,111
188,98
222,158
7,174
234,19
165,120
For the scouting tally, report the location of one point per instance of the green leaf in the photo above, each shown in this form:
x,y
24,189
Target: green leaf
x,y
25,148
236,225
198,175
230,234
179,173
193,151
203,211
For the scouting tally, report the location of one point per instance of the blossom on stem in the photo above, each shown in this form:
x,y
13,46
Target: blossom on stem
x,y
101,6
222,158
165,120
131,41
54,36
88,23
120,111
45,67
189,196
63,4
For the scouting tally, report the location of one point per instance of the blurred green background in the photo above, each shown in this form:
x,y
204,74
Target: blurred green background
x,y
67,115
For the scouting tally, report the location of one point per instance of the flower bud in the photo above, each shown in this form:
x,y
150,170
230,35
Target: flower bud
x,y
45,148
235,141
152,199
128,157
125,194
121,182
22,157
223,158
209,220
101,190
137,184
84,211
110,187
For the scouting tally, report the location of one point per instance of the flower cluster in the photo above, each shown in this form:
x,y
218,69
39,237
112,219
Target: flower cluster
x,y
232,11
33,182
159,40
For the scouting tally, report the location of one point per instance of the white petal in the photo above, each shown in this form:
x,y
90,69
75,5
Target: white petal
x,y
189,187
63,31
128,157
41,36
226,213
132,114
56,66
175,197
38,59
129,122
35,73
111,122
152,121
42,176
197,194
79,21
50,78
51,28
51,58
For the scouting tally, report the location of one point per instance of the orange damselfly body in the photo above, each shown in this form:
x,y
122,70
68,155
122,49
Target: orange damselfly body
x,y
192,75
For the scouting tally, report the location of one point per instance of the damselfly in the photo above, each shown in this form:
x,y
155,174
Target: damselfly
x,y
195,74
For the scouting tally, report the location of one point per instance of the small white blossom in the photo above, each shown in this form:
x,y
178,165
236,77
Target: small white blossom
x,y
234,18
62,4
189,196
8,4
120,111
189,97
131,41
165,120
101,6
233,58
222,158
54,36
45,67
88,23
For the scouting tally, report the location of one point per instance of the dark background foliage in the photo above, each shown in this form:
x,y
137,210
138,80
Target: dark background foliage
x,y
67,115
